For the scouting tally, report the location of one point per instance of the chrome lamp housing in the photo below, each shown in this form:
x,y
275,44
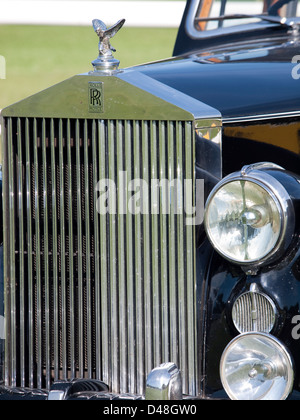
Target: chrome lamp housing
x,y
256,366
250,215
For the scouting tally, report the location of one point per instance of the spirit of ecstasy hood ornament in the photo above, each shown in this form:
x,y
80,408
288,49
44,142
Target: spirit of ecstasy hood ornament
x,y
106,60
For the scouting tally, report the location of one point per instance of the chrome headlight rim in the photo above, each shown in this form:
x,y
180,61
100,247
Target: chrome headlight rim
x,y
279,346
260,175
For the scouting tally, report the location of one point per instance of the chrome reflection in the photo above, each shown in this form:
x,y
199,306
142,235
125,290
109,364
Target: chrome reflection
x,y
164,383
256,366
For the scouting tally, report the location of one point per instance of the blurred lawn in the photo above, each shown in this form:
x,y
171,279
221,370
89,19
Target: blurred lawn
x,y
40,56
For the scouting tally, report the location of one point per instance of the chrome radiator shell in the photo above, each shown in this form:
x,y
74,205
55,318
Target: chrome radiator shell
x,y
109,296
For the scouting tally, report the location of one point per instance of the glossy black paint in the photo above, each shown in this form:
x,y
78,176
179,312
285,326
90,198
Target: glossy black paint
x,y
237,152
249,79
224,282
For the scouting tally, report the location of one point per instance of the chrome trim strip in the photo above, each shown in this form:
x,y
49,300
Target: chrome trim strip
x,y
5,194
252,118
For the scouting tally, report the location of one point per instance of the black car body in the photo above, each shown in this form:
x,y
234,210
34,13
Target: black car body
x,y
103,302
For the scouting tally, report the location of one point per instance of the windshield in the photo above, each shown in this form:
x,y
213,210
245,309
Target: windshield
x,y
213,14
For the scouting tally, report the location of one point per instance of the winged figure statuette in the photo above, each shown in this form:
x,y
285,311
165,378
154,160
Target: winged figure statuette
x,y
105,34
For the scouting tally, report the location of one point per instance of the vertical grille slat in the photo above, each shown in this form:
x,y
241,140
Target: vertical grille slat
x,y
70,242
182,319
11,298
146,255
46,255
121,258
172,247
79,254
190,268
163,246
22,250
130,266
112,252
138,282
97,257
88,256
30,293
105,348
156,300
54,235
37,257
62,249
97,288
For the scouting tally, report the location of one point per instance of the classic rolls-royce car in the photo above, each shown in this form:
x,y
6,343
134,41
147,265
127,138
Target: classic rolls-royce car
x,y
151,219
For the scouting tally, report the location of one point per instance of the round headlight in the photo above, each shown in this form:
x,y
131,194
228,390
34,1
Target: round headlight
x,y
256,366
248,215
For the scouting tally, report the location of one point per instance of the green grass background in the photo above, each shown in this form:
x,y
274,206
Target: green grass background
x,y
39,56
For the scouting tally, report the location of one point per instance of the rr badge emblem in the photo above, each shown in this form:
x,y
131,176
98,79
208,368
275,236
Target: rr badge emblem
x,y
95,97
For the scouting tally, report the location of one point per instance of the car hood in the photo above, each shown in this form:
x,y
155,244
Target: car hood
x,y
242,80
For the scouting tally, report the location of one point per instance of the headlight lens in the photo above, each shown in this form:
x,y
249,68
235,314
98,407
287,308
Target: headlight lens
x,y
246,216
256,366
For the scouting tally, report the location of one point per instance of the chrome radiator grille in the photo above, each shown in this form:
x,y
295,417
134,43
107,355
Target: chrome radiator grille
x,y
105,296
